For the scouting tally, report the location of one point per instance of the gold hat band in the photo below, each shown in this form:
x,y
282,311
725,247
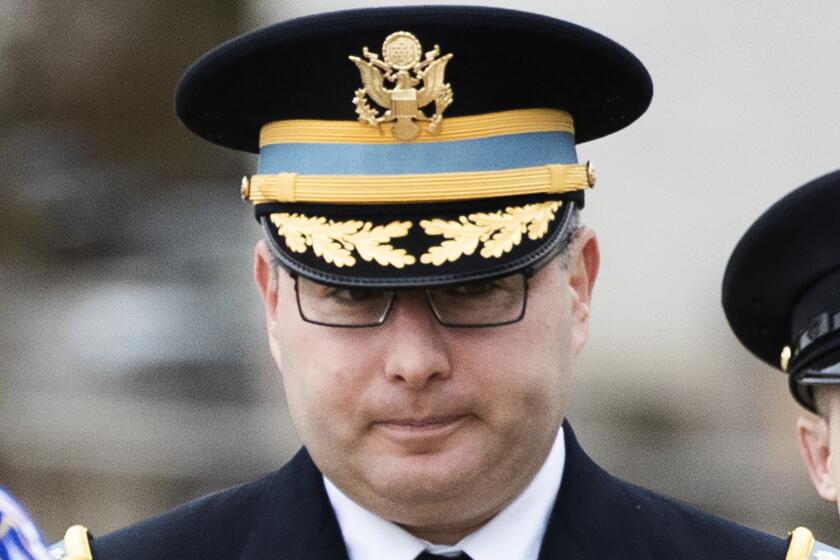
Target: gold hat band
x,y
454,128
432,187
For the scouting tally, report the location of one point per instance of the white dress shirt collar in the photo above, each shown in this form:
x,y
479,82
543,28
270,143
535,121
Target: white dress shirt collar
x,y
515,533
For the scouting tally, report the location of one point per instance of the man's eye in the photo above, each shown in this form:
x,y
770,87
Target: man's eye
x,y
351,295
474,289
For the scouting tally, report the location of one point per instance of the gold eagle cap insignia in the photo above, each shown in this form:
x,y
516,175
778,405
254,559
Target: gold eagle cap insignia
x,y
403,64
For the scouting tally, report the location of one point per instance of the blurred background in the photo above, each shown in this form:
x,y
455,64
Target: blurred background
x,y
134,372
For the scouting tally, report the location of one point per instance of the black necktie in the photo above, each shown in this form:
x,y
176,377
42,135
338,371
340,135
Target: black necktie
x,y
426,555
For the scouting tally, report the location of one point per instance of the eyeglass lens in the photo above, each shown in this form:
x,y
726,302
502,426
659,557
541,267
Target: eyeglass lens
x,y
487,303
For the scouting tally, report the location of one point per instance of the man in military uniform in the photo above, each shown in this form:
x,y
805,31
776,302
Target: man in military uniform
x,y
781,295
426,286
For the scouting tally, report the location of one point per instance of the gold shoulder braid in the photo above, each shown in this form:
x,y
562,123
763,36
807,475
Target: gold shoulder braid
x,y
803,546
75,546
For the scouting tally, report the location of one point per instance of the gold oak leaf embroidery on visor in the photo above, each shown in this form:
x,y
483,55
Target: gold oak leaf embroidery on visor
x,y
335,242
499,232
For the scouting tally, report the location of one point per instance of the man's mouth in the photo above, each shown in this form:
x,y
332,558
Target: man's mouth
x,y
421,429
425,422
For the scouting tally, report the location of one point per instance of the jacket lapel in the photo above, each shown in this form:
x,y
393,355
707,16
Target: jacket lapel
x,y
297,521
591,518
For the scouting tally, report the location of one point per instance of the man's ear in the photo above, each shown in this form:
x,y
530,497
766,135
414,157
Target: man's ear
x,y
583,270
266,278
814,444
265,275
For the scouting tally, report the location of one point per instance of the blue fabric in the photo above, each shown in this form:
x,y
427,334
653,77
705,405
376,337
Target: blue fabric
x,y
21,540
822,551
484,154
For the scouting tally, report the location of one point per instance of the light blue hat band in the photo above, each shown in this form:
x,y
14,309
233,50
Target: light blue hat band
x,y
485,154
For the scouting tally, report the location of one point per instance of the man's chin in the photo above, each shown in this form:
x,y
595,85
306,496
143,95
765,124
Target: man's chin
x,y
424,478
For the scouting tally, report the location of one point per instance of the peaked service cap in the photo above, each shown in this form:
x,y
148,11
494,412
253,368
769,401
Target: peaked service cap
x,y
781,289
414,146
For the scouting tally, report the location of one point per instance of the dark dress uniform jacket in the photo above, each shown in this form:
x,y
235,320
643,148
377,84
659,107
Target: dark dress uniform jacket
x,y
287,516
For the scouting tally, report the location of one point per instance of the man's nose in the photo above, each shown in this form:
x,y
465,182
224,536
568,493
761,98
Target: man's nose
x,y
417,352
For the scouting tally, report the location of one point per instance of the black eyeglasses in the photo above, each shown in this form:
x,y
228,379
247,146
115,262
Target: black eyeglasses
x,y
486,303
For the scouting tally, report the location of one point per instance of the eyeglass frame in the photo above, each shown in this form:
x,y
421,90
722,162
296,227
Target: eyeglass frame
x,y
527,273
